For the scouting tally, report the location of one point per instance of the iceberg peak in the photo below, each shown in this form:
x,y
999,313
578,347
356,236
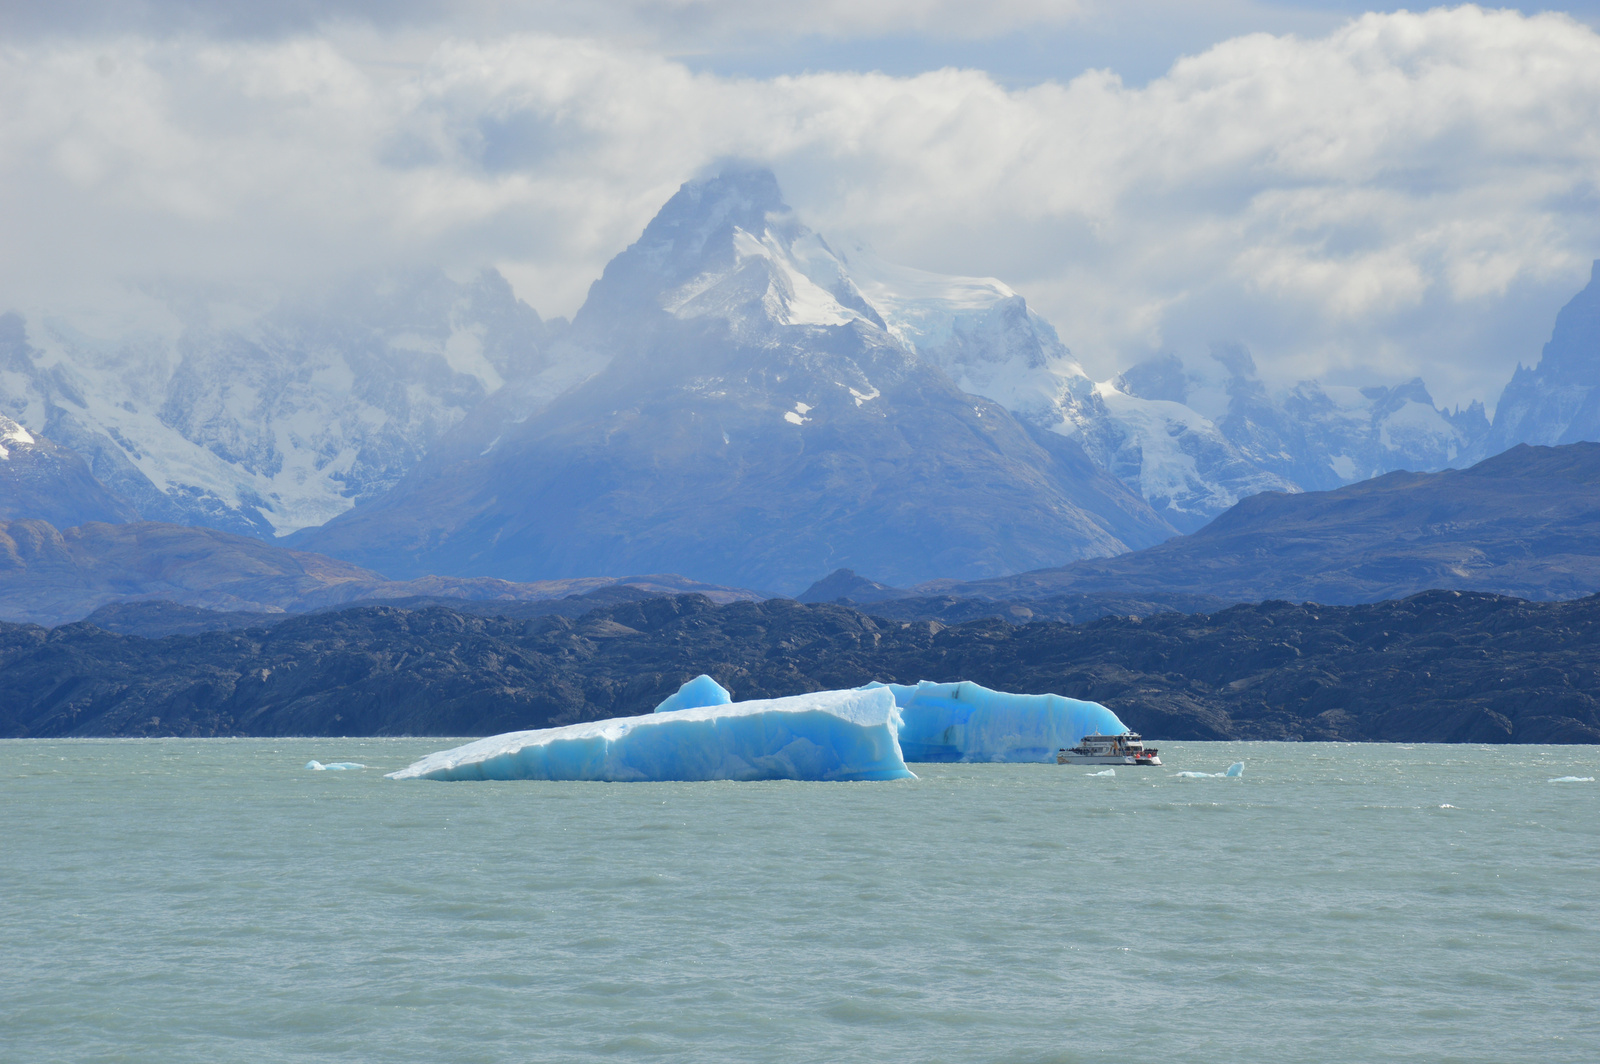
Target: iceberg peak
x,y
697,693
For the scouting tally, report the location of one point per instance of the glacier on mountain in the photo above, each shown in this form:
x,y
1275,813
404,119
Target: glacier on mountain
x,y
265,422
753,419
829,735
967,722
1193,437
14,434
41,481
271,421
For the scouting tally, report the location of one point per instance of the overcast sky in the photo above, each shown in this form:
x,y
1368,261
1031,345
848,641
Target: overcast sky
x,y
1362,196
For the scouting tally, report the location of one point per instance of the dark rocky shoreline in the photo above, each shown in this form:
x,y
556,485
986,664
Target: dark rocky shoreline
x,y
1443,666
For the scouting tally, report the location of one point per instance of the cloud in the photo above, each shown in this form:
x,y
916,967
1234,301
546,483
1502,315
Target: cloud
x,y
1413,193
663,22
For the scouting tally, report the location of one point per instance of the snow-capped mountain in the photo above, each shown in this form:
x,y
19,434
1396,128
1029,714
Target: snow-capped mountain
x,y
281,421
275,422
1192,440
42,481
749,416
1557,401
1202,437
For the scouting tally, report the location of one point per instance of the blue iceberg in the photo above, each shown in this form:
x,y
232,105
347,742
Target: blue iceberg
x,y
966,722
698,692
830,735
336,766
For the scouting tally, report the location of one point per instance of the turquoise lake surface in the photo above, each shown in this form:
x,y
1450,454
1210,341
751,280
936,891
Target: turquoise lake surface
x,y
211,900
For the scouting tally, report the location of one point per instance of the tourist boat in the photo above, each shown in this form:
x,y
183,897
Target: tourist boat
x,y
1124,749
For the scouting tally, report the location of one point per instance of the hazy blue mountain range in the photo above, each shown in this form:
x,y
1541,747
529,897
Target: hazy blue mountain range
x,y
53,576
734,385
279,422
1524,523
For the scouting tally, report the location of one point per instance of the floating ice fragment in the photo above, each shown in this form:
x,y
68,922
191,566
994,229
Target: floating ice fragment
x,y
1447,805
1573,779
1104,772
1235,770
700,691
830,735
967,722
335,766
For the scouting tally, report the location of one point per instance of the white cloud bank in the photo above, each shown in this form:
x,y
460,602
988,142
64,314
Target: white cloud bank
x,y
664,23
1414,193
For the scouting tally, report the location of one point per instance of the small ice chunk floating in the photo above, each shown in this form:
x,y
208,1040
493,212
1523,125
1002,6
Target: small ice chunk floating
x,y
1234,772
967,722
829,735
337,766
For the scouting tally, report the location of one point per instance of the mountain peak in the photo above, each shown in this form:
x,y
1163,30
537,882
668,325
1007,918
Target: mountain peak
x,y
737,196
1569,357
702,214
693,234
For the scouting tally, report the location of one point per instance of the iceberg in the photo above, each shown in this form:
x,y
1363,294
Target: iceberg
x,y
336,766
1102,772
698,692
1235,770
967,722
1573,779
829,735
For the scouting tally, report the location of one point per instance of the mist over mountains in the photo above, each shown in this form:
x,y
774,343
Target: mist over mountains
x,y
737,400
280,422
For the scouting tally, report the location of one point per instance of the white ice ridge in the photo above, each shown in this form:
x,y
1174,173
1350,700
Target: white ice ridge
x,y
1573,779
698,692
966,722
1235,770
318,766
829,735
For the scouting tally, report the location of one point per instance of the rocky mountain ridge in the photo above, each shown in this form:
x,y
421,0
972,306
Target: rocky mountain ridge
x,y
754,422
1439,667
1523,523
42,480
284,419
55,576
1558,400
280,420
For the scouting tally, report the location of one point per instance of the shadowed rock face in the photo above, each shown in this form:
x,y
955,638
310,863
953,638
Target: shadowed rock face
x,y
1524,523
41,480
1557,401
1441,667
52,576
845,585
755,423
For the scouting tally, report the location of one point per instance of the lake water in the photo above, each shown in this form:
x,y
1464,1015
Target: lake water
x,y
210,900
